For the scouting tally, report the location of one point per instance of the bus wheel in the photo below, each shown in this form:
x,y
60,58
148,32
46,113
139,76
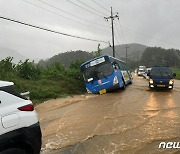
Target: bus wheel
x,y
124,86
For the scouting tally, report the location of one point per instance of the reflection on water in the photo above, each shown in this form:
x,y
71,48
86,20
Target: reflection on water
x,y
151,103
163,121
160,101
170,100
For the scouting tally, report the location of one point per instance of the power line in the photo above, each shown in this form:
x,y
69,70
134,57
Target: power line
x,y
115,51
152,37
117,55
143,34
64,17
116,40
107,5
84,9
116,28
72,14
49,30
91,7
124,40
112,19
100,5
122,31
115,34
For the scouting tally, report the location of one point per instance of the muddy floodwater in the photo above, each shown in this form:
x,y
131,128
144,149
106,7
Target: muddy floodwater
x,y
132,121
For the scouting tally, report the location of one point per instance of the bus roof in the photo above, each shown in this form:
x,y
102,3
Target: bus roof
x,y
98,58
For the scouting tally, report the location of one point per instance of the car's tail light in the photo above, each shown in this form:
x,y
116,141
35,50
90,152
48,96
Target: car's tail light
x,y
28,107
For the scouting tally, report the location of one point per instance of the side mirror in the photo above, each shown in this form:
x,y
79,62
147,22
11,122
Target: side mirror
x,y
174,74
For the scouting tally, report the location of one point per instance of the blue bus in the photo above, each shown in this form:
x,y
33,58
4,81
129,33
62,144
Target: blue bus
x,y
105,73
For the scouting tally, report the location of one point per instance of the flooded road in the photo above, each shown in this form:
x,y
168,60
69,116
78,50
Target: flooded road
x,y
132,121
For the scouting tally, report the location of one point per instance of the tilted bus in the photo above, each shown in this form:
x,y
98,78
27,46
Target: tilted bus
x,y
105,73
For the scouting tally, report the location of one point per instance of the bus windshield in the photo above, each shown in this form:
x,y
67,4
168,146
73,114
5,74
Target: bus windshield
x,y
98,71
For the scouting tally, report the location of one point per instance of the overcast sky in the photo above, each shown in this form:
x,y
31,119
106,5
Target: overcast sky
x,y
148,22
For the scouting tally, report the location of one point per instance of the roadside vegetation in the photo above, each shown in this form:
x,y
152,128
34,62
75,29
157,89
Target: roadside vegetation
x,y
177,71
43,83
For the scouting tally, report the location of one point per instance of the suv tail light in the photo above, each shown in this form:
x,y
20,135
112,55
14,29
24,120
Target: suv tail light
x,y
28,107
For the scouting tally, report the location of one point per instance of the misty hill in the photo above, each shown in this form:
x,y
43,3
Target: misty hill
x,y
5,52
156,55
67,57
134,51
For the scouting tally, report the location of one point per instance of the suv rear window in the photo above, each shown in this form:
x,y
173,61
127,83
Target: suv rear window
x,y
10,90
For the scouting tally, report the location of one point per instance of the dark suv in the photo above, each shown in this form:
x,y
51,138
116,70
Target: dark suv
x,y
161,77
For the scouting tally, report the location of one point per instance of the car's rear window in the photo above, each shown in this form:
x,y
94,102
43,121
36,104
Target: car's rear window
x,y
10,90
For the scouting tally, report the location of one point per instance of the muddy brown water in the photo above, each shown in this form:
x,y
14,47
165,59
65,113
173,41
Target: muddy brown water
x,y
132,121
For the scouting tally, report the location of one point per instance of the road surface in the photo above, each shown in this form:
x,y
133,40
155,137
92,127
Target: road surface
x,y
132,121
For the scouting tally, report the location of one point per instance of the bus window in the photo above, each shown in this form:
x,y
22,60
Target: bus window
x,y
116,66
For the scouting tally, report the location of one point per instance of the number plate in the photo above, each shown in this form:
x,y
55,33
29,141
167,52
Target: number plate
x,y
103,91
159,85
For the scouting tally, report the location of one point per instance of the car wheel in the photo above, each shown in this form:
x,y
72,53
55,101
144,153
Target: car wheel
x,y
14,151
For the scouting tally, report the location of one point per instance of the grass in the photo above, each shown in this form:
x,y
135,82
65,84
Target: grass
x,y
45,89
177,71
54,81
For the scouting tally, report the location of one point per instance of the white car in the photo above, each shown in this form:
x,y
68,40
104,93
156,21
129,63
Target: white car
x,y
140,72
20,131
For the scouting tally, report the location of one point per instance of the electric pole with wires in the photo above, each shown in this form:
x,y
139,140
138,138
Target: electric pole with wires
x,y
112,20
126,52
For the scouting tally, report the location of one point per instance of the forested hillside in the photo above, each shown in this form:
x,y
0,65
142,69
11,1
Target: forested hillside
x,y
134,51
66,58
156,55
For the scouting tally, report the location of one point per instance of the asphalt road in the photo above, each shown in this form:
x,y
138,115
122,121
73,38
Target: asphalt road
x,y
132,121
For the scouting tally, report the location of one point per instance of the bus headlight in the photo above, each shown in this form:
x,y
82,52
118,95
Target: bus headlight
x,y
171,81
115,81
88,91
151,81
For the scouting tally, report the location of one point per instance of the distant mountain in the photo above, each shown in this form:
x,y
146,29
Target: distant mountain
x,y
134,51
5,52
67,57
157,55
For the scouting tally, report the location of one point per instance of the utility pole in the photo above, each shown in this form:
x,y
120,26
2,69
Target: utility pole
x,y
126,52
112,19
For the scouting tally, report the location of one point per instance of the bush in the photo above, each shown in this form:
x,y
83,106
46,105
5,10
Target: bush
x,y
44,83
28,70
54,71
7,68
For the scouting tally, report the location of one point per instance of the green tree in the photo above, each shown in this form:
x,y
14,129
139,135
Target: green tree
x,y
7,68
98,52
28,70
54,71
75,81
